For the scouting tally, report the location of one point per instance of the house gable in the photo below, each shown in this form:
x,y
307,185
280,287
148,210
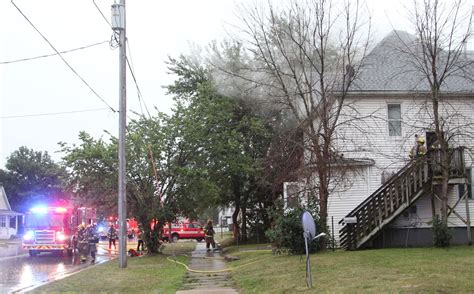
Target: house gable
x,y
4,204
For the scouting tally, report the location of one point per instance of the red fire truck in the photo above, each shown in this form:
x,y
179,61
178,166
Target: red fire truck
x,y
132,228
54,229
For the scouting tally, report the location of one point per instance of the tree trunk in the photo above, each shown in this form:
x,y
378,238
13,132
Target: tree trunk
x,y
235,223
323,175
264,215
244,212
244,223
150,237
323,204
445,165
170,231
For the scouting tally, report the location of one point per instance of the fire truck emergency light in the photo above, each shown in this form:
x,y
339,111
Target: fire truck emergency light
x,y
28,236
39,209
60,236
60,210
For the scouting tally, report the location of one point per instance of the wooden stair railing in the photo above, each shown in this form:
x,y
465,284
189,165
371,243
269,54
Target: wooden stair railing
x,y
380,208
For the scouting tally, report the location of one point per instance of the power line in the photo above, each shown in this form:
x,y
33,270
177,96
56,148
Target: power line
x,y
54,54
114,42
103,16
52,113
129,63
59,54
139,93
138,89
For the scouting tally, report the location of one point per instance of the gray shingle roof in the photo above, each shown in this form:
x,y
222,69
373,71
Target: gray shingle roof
x,y
387,68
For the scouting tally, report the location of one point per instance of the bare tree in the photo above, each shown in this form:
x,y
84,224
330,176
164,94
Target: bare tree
x,y
442,30
303,57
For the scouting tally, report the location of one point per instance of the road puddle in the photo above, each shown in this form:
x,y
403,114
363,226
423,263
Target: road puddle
x,y
7,249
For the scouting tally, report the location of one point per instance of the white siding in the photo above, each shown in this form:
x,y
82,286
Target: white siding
x,y
364,134
423,216
343,202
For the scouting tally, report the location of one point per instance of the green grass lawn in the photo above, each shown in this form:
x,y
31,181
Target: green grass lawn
x,y
410,270
219,237
147,274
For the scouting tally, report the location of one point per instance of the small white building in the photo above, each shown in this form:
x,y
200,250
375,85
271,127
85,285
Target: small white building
x,y
225,216
9,219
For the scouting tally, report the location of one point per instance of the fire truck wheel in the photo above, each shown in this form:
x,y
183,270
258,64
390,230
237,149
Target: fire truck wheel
x,y
199,239
175,237
33,253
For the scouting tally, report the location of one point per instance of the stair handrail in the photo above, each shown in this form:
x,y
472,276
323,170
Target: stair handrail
x,y
389,182
399,177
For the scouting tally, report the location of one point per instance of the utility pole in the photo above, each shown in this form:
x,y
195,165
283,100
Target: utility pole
x,y
118,25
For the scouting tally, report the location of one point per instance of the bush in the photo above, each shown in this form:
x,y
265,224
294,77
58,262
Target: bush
x,y
288,232
441,233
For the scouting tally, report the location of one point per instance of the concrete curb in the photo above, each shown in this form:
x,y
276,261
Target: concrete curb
x,y
14,256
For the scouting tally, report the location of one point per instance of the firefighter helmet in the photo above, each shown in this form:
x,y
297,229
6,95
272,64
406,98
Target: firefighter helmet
x,y
421,140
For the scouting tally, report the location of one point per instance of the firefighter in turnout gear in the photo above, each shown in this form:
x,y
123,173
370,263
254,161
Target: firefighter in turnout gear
x,y
87,240
209,231
112,235
419,149
92,240
82,244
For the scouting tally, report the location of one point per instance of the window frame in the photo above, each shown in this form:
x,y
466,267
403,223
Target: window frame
x,y
391,120
469,185
3,221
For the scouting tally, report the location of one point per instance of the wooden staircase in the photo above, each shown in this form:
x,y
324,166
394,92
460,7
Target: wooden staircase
x,y
393,197
385,204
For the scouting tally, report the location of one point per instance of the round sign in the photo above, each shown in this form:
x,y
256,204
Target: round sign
x,y
308,225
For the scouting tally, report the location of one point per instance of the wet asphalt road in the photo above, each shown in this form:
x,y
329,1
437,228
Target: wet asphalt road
x,y
19,272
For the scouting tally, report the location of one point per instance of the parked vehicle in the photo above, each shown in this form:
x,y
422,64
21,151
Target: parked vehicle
x,y
54,229
132,228
103,228
184,230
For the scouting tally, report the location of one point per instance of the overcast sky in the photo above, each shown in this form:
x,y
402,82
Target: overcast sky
x,y
155,29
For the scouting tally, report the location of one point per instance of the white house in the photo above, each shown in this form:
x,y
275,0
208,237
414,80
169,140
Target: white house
x,y
387,105
9,220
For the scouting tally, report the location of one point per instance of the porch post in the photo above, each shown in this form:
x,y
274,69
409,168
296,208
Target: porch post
x,y
468,216
433,203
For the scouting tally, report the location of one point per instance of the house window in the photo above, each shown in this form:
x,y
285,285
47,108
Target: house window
x,y
394,120
469,186
3,221
291,193
13,222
